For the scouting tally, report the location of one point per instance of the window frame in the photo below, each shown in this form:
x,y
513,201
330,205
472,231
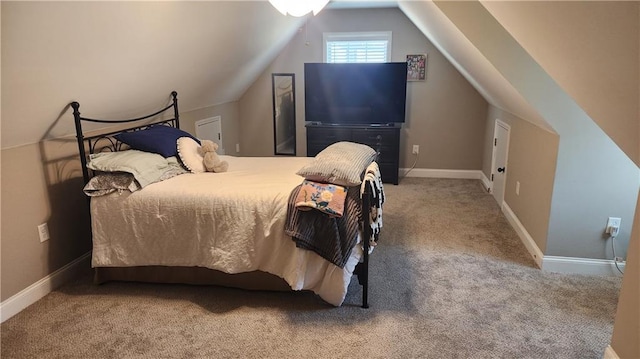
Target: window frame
x,y
357,36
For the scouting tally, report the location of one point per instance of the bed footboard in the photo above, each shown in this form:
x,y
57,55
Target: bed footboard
x,y
362,269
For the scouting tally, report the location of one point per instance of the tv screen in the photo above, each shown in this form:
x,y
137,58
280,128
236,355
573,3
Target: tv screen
x,y
355,93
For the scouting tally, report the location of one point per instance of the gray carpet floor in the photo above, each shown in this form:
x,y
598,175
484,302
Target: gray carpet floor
x,y
450,279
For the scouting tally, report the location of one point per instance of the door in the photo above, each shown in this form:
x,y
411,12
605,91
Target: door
x,y
499,160
211,129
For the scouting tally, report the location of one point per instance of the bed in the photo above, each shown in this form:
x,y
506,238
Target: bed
x,y
232,228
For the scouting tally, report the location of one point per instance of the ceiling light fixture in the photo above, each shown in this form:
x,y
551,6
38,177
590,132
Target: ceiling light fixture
x,y
298,8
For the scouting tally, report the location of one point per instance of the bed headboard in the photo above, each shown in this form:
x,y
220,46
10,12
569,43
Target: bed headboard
x,y
105,141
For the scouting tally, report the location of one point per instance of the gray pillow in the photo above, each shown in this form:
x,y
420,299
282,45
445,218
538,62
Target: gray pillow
x,y
109,182
145,167
341,163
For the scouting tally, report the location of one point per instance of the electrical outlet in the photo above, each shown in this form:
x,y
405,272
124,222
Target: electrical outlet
x,y
237,147
517,188
43,232
613,225
416,149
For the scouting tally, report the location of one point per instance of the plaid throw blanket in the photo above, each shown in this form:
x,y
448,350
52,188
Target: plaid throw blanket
x,y
333,238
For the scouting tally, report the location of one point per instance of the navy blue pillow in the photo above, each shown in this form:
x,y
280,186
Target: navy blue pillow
x,y
158,139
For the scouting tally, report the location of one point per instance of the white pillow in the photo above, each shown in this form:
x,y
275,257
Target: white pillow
x,y
189,155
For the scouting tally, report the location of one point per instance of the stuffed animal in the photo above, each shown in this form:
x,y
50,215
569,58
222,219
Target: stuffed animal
x,y
211,161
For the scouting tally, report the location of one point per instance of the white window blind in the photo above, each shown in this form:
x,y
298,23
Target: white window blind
x,y
357,47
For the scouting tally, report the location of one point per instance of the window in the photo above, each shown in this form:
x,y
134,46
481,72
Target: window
x,y
340,47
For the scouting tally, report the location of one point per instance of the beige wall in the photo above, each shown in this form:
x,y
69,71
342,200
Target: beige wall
x,y
256,117
229,114
41,183
445,114
532,162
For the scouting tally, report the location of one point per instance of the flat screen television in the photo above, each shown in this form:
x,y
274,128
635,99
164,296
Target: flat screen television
x,y
355,93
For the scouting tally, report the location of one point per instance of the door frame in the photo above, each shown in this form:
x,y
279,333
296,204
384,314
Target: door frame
x,y
205,121
494,150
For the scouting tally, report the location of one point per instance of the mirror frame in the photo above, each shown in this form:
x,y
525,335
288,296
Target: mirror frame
x,y
284,129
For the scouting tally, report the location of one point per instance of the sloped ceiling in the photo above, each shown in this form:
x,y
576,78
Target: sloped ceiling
x,y
469,61
601,46
132,54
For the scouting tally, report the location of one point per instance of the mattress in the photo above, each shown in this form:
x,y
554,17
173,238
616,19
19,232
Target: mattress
x,y
232,222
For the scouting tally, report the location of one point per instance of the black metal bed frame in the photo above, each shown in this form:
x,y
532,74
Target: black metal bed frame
x,y
111,144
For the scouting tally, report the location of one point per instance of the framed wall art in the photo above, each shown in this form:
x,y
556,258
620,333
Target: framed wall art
x,y
416,67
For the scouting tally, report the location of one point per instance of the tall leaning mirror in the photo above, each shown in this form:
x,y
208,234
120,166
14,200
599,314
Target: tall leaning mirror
x,y
284,114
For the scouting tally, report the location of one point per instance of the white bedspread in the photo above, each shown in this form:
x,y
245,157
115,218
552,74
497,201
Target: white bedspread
x,y
232,222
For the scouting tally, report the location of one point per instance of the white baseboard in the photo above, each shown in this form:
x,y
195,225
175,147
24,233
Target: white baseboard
x,y
525,237
588,266
609,353
485,182
559,264
438,173
44,286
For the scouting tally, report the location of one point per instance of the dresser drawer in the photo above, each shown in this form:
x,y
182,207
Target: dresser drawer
x,y
387,154
375,137
385,141
328,136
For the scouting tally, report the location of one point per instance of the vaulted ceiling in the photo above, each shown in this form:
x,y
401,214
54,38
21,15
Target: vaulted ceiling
x,y
103,53
124,53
